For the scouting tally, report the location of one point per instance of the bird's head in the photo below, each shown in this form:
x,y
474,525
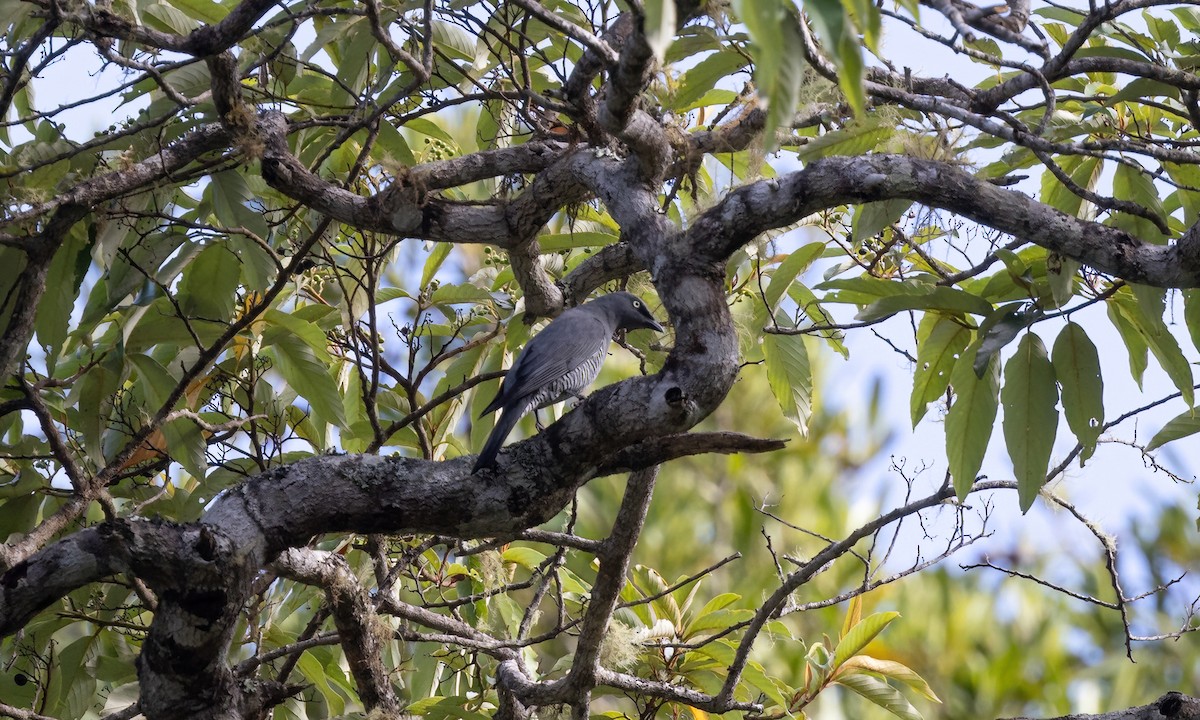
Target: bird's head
x,y
630,312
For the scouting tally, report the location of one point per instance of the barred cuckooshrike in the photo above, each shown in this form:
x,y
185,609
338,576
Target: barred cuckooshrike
x,y
561,361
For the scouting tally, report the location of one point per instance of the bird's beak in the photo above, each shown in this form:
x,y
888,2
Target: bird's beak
x,y
652,324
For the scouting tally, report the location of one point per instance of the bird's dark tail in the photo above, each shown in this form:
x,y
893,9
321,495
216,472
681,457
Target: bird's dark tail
x,y
504,425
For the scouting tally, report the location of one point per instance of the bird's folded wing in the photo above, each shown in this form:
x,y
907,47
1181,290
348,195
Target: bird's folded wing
x,y
563,346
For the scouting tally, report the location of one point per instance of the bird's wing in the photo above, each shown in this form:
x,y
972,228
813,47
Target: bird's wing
x,y
557,350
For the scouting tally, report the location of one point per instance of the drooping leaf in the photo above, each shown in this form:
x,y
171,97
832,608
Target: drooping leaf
x,y
1030,417
789,374
1133,185
940,343
1191,315
1077,367
1060,273
304,371
1082,170
835,28
63,279
659,22
183,438
1143,308
774,26
433,263
971,418
1135,345
808,304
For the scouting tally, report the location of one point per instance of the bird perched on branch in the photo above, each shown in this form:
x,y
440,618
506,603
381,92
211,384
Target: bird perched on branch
x,y
560,361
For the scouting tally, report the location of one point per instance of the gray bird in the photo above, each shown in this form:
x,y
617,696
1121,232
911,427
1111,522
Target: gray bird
x,y
561,361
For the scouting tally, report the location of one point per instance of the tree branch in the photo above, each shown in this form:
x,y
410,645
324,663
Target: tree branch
x,y
757,207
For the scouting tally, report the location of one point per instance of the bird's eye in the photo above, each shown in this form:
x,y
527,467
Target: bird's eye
x,y
637,303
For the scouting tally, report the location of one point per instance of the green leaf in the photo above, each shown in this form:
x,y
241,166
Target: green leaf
x,y
1130,183
720,602
794,264
425,126
834,27
153,380
305,372
861,635
890,669
757,678
940,342
882,694
807,301
184,441
453,40
1084,171
312,669
209,285
63,278
774,26
73,684
551,242
704,76
231,196
790,376
1180,426
1144,309
871,218
205,11
865,290
1030,417
1077,367
186,446
1186,195
659,26
998,331
856,138
169,19
1060,273
526,557
451,294
433,263
935,298
1191,315
970,419
297,324
1135,345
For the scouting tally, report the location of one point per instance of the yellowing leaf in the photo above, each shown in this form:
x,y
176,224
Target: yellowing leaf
x,y
890,669
882,694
